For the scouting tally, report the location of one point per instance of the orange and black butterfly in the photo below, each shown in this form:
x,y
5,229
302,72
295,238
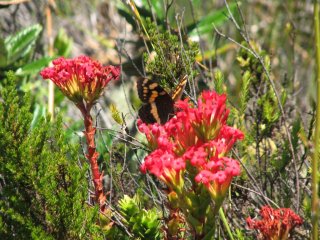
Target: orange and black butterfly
x,y
158,104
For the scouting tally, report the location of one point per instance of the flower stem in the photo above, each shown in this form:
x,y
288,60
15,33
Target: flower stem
x,y
50,53
92,155
225,223
315,198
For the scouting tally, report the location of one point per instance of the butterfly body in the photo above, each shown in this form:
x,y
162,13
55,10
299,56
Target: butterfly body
x,y
158,104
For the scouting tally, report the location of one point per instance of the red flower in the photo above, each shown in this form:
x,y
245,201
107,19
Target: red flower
x,y
210,115
199,157
181,132
198,136
229,135
275,224
81,79
165,166
217,175
155,134
204,177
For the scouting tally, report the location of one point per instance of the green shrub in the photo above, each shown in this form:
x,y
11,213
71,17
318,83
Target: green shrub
x,y
43,189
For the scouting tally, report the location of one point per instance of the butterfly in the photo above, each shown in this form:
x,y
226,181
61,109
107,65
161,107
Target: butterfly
x,y
158,105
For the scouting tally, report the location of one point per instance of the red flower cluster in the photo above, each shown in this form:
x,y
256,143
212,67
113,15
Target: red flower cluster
x,y
197,138
80,79
83,80
275,224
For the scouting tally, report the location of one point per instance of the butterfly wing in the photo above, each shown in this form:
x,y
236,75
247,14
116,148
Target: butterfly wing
x,y
177,92
158,104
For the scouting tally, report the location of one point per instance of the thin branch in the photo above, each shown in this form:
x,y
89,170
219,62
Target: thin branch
x,y
253,183
257,56
258,193
13,2
315,159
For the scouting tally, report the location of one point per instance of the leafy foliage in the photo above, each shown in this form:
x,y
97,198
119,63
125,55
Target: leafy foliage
x,y
44,182
62,43
19,45
171,59
43,188
216,18
143,223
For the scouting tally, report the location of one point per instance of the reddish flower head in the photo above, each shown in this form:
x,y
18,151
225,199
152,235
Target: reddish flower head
x,y
155,135
275,224
196,137
80,79
166,167
217,175
210,115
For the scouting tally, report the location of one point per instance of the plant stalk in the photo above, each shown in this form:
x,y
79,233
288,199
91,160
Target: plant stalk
x,y
315,159
92,156
50,53
225,223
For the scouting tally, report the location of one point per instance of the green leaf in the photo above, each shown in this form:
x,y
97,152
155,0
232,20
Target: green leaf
x,y
157,8
19,45
3,53
205,25
34,67
38,112
126,11
62,43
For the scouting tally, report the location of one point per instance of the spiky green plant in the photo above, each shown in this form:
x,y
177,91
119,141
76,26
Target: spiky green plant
x,y
43,186
143,223
173,57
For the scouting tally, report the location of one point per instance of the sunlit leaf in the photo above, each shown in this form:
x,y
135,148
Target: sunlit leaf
x,y
157,7
62,43
20,44
34,67
217,18
3,53
38,112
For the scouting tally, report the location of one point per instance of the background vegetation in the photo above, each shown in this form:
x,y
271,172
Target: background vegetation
x,y
261,53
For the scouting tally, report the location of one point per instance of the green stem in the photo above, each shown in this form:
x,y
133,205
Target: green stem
x,y
216,209
51,99
225,223
139,19
51,53
315,198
